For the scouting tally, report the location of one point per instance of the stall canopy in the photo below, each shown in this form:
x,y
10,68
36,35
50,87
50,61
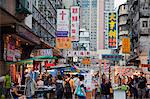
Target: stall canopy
x,y
30,60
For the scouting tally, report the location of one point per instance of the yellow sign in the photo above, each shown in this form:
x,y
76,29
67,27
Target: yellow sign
x,y
86,61
126,45
63,43
112,31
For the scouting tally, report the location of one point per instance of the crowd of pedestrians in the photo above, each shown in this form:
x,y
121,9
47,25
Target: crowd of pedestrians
x,y
72,86
138,86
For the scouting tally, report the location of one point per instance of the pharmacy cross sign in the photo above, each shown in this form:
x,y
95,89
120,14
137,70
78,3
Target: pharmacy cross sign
x,y
62,15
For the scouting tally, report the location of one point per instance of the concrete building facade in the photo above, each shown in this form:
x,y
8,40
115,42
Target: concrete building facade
x,y
139,29
122,30
26,25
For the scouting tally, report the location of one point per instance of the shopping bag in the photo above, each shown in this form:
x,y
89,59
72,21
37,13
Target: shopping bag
x,y
79,91
111,90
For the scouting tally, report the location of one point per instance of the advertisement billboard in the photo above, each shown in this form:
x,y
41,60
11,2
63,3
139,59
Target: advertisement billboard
x,y
63,43
112,31
126,45
62,23
75,23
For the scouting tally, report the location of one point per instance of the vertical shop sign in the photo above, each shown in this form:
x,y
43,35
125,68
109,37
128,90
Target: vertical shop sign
x,y
112,31
75,23
62,23
126,45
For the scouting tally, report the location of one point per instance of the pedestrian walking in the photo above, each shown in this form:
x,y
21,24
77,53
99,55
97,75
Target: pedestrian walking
x,y
81,89
7,85
142,85
59,87
135,86
105,89
76,83
68,87
30,87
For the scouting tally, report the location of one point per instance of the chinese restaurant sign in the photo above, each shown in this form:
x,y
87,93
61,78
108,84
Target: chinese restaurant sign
x,y
63,43
62,23
75,23
112,31
112,57
126,45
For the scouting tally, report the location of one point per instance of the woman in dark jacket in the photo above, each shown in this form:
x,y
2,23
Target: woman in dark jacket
x,y
105,86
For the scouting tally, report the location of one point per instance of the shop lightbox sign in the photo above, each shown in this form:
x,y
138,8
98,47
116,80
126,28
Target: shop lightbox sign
x,y
43,52
112,31
126,45
112,57
75,23
62,23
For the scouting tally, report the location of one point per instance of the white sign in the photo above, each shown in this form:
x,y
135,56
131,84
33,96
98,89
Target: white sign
x,y
43,52
63,20
75,23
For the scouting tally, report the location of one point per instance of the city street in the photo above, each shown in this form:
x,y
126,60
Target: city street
x,y
74,49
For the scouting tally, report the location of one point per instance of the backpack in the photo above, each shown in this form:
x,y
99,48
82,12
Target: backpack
x,y
59,88
67,87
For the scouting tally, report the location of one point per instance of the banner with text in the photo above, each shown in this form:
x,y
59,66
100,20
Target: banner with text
x,y
62,23
63,43
112,31
126,45
75,23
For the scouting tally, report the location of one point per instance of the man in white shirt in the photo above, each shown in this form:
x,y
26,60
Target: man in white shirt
x,y
76,81
40,82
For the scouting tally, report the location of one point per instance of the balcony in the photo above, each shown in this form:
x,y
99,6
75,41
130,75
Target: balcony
x,y
23,6
123,12
123,33
144,9
122,22
145,31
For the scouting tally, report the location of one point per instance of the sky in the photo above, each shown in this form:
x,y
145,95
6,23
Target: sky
x,y
119,2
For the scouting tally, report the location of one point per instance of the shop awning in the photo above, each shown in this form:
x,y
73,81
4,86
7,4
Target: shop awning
x,y
30,60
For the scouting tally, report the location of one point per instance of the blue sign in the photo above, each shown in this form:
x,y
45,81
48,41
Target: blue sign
x,y
112,57
62,33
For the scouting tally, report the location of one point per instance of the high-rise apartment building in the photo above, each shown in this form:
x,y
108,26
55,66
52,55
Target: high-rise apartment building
x,y
104,7
88,20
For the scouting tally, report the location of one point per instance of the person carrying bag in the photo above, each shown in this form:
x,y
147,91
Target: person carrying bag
x,y
81,90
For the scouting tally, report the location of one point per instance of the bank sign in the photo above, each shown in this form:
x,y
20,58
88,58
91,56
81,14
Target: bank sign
x,y
62,23
112,31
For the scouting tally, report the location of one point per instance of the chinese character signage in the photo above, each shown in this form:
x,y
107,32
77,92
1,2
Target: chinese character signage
x,y
63,43
62,23
112,57
75,23
42,52
112,31
126,45
86,61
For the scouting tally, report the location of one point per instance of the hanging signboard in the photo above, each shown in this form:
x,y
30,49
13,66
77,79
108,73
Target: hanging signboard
x,y
112,57
75,23
126,45
62,23
63,43
42,52
112,31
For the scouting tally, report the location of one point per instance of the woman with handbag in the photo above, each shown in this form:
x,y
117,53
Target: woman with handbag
x,y
81,90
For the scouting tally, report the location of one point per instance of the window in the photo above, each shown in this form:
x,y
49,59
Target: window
x,y
145,24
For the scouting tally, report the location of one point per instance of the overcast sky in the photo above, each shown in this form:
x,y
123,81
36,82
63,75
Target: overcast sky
x,y
118,2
